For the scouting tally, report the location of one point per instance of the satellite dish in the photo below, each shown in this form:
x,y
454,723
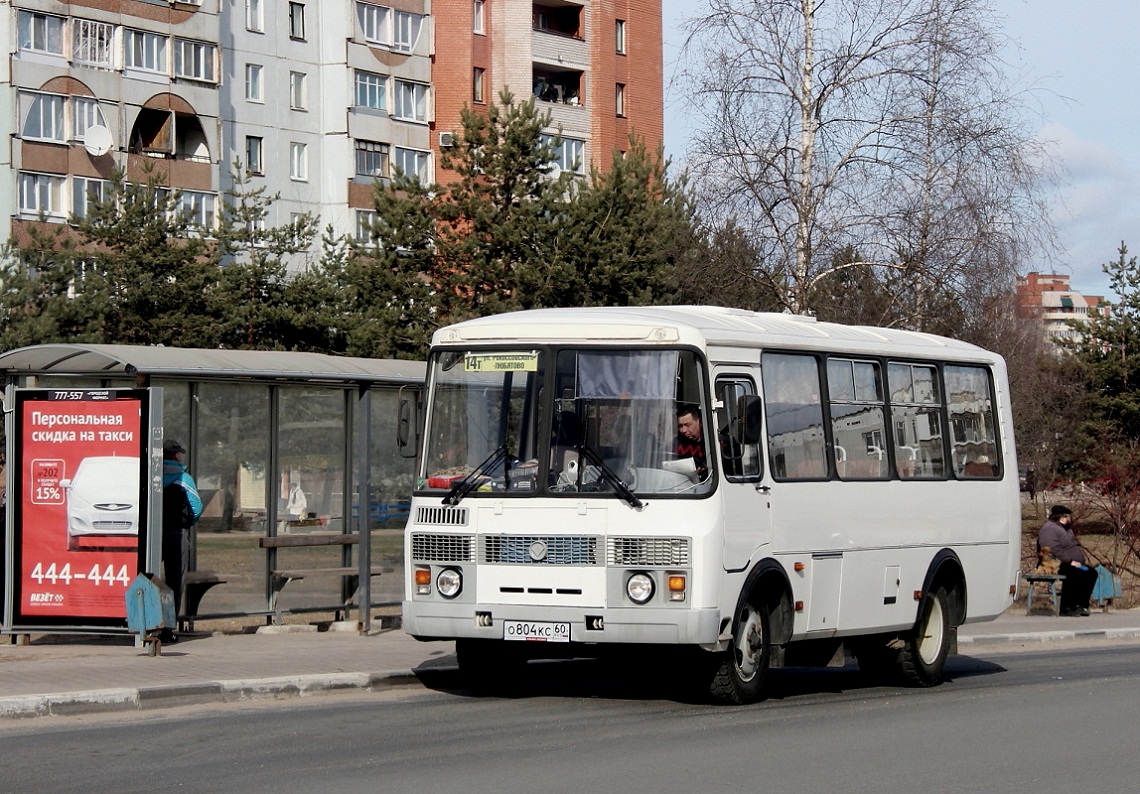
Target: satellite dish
x,y
97,140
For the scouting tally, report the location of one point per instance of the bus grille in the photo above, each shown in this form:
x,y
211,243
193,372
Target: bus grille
x,y
427,547
663,552
540,549
442,516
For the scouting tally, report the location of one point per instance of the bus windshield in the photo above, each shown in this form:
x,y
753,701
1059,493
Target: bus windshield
x,y
558,421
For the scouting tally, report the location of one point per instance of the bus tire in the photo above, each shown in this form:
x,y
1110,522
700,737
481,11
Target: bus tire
x,y
743,669
924,650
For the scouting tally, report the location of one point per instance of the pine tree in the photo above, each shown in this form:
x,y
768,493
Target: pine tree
x,y
254,305
146,268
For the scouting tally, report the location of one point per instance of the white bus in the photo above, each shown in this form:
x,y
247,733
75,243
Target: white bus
x,y
850,489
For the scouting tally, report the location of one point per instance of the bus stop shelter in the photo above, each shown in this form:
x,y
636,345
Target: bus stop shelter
x,y
277,441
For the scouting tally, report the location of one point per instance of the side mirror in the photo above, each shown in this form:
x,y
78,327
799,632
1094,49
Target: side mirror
x,y
406,423
748,423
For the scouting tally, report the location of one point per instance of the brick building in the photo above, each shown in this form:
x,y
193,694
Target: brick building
x,y
1050,298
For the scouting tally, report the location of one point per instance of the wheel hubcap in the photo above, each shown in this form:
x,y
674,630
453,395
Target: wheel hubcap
x,y
749,644
930,642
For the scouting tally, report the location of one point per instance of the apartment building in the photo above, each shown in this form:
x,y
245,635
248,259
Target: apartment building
x,y
316,99
1050,298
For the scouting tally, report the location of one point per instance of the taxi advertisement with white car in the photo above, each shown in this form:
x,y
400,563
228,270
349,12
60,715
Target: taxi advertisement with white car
x,y
82,503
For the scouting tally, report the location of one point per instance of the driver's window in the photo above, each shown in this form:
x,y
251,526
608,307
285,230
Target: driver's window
x,y
740,456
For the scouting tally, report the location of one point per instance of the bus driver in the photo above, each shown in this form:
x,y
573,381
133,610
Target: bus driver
x,y
690,438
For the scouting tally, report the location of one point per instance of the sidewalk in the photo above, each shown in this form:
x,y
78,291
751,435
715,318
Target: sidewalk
x,y
59,674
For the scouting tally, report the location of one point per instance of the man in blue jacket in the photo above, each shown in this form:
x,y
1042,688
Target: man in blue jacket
x,y
181,509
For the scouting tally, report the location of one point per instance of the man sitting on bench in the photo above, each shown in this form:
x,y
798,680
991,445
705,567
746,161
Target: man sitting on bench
x,y
1080,577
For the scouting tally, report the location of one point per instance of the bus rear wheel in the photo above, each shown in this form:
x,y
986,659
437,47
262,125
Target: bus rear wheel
x,y
743,668
923,655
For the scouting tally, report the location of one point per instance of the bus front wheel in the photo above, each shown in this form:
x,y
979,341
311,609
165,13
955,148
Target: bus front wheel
x,y
924,651
744,667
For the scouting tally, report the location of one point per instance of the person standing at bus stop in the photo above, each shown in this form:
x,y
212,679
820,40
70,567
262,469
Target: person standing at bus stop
x,y
1080,577
181,509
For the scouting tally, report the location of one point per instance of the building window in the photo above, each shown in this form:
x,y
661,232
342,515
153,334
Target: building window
x,y
85,193
374,21
297,21
298,99
298,224
254,16
619,99
255,154
569,155
93,43
414,163
371,90
477,17
619,36
365,227
41,193
407,31
411,101
145,51
195,60
196,208
42,117
371,159
299,161
253,90
85,113
477,84
40,33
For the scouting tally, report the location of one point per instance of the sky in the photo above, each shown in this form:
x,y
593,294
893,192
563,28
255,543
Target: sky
x,y
1083,59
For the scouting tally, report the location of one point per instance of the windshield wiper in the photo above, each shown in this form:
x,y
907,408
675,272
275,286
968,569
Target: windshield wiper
x,y
471,481
609,476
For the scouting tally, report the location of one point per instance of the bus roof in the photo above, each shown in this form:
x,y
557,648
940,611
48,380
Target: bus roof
x,y
700,326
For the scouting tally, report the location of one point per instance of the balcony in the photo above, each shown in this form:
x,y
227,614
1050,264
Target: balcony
x,y
558,17
556,50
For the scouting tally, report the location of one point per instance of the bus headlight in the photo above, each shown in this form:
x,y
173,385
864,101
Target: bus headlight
x,y
449,582
639,588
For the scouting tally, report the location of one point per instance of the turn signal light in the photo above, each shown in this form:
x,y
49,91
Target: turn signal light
x,y
423,581
676,587
799,567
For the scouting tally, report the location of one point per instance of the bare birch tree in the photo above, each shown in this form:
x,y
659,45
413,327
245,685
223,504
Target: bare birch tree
x,y
871,135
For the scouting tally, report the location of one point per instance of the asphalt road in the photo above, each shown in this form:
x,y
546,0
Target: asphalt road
x,y
1003,722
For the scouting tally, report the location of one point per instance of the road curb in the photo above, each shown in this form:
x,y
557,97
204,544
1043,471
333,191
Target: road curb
x,y
1044,637
231,691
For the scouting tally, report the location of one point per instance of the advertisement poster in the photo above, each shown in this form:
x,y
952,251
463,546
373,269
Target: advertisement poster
x,y
82,502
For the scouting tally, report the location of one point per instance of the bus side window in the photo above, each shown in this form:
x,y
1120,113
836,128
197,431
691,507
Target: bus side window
x,y
735,418
793,413
974,449
917,417
855,394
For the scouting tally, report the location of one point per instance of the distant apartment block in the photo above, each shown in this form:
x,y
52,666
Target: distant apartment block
x,y
316,99
1050,298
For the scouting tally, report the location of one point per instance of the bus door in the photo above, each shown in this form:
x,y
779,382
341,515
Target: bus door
x,y
746,506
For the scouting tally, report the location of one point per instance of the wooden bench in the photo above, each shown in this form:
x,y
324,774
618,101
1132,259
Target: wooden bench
x,y
280,577
1032,580
195,585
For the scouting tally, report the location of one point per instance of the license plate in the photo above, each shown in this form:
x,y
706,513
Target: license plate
x,y
534,631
